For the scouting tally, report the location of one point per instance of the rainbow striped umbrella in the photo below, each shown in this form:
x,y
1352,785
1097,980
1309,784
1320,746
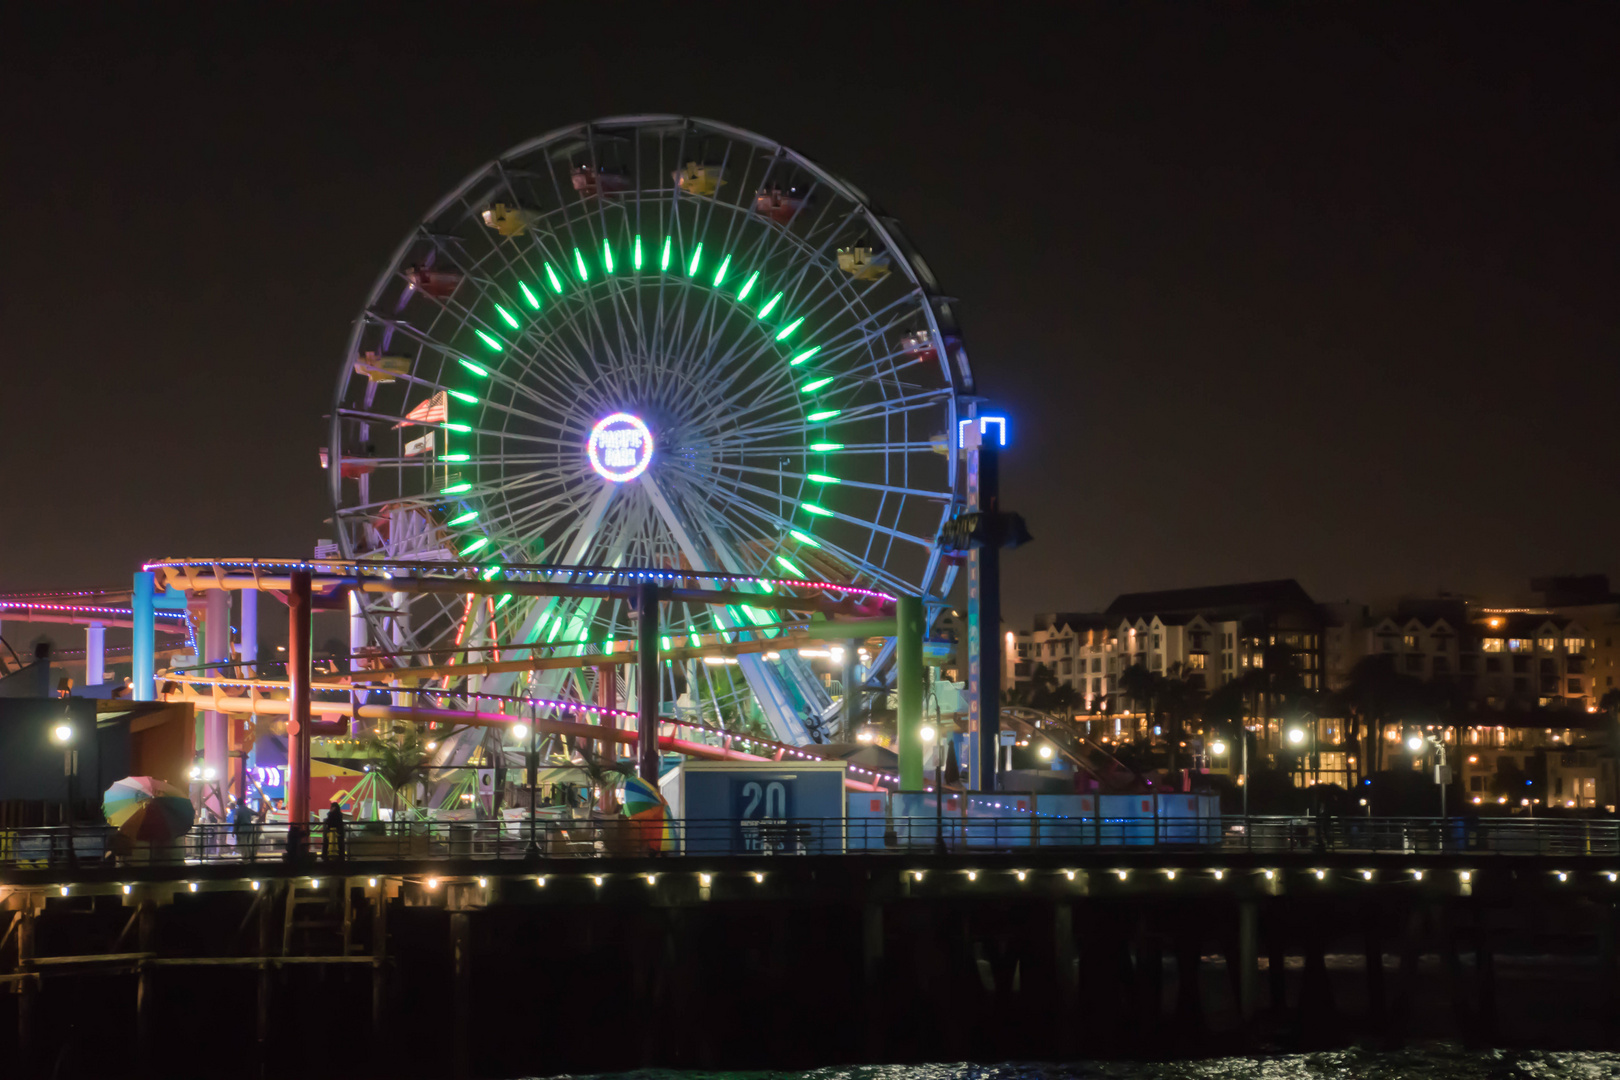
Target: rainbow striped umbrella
x,y
146,808
644,804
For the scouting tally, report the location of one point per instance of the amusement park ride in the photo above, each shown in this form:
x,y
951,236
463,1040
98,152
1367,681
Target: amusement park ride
x,y
639,410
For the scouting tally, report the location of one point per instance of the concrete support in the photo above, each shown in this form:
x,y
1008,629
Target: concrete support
x,y
95,654
1248,979
1068,978
1276,965
648,683
1373,961
143,653
269,944
145,992
216,656
872,977
27,990
379,970
909,681
461,994
300,658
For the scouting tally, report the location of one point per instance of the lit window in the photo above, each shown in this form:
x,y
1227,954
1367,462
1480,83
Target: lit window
x,y
1520,644
1547,644
1574,644
1493,644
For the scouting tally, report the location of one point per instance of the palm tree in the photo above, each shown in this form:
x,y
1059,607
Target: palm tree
x,y
1179,700
400,754
1376,694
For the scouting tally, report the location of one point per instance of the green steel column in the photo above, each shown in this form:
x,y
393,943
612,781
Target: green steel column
x,y
909,681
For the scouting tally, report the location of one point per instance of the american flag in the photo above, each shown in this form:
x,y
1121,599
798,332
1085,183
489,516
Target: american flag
x,y
435,410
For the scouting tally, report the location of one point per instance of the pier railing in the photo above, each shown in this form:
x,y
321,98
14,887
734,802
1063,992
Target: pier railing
x,y
100,846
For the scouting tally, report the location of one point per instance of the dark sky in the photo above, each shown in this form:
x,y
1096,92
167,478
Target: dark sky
x,y
1316,291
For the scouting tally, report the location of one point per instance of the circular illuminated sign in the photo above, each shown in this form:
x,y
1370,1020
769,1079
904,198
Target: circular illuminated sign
x,y
620,447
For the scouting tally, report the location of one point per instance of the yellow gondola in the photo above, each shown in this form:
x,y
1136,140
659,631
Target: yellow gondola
x,y
695,179
863,264
509,221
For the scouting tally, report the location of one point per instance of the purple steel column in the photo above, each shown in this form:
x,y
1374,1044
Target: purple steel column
x,y
95,654
300,657
216,651
648,684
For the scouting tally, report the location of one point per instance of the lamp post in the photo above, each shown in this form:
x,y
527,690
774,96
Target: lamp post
x,y
928,734
1297,736
531,770
62,735
1442,771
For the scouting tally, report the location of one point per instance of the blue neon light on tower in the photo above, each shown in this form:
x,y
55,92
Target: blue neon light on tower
x,y
145,647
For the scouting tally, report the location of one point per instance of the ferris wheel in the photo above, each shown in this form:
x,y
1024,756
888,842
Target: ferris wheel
x,y
650,341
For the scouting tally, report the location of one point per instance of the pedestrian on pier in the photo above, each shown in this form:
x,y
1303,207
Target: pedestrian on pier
x,y
332,835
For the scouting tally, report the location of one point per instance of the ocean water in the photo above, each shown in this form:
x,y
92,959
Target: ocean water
x,y
1426,1062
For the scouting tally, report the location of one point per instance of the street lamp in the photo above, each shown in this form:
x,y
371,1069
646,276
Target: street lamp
x,y
1045,751
1218,748
1442,772
531,763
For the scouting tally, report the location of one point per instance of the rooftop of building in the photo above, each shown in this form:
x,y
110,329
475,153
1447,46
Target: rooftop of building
x,y
1264,597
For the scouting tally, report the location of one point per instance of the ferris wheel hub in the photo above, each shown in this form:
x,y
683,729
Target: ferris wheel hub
x,y
620,447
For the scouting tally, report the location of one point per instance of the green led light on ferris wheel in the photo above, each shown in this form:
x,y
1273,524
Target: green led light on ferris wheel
x,y
487,340
822,478
812,508
491,572
697,642
474,546
481,372
556,282
635,259
664,641
826,414
460,395
663,262
506,598
825,447
579,264
455,457
455,489
803,538
471,515
720,274
770,305
697,258
787,564
529,297
748,286
787,331
802,357
815,384
507,315
555,628
607,257
463,428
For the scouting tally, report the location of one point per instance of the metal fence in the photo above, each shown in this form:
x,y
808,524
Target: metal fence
x,y
101,846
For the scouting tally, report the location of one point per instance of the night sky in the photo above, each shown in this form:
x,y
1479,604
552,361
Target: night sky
x,y
1321,292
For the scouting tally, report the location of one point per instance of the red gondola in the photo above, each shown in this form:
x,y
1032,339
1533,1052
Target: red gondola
x,y
431,282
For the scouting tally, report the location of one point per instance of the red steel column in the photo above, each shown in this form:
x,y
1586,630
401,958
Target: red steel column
x,y
648,684
300,666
